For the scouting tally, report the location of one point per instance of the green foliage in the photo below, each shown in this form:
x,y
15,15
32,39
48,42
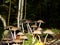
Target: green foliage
x,y
56,30
29,41
1,32
7,1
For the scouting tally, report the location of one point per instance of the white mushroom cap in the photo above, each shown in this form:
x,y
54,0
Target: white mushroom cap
x,y
39,28
40,21
37,32
20,33
14,28
34,26
48,31
23,37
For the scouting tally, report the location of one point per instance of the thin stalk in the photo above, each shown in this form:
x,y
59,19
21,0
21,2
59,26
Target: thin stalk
x,y
33,28
39,24
19,13
22,27
9,12
3,21
39,38
25,9
22,3
33,39
11,34
23,42
14,35
45,38
29,28
8,43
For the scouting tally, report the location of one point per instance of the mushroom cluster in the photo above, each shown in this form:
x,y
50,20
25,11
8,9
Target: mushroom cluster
x,y
34,29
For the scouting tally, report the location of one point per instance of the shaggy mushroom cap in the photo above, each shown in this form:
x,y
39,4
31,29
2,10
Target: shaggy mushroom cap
x,y
48,31
40,21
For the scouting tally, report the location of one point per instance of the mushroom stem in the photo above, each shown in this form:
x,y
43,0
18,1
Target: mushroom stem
x,y
33,29
33,39
28,28
51,41
39,38
22,27
23,42
35,23
45,38
14,35
39,24
8,43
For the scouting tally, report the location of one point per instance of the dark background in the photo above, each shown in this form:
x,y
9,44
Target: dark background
x,y
46,10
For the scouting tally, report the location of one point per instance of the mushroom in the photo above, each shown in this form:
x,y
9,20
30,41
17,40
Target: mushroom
x,y
18,35
36,32
28,26
8,27
40,29
35,22
22,24
48,31
23,38
17,42
22,27
14,29
6,40
40,21
33,26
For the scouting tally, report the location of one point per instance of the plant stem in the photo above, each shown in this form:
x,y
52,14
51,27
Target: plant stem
x,y
9,12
